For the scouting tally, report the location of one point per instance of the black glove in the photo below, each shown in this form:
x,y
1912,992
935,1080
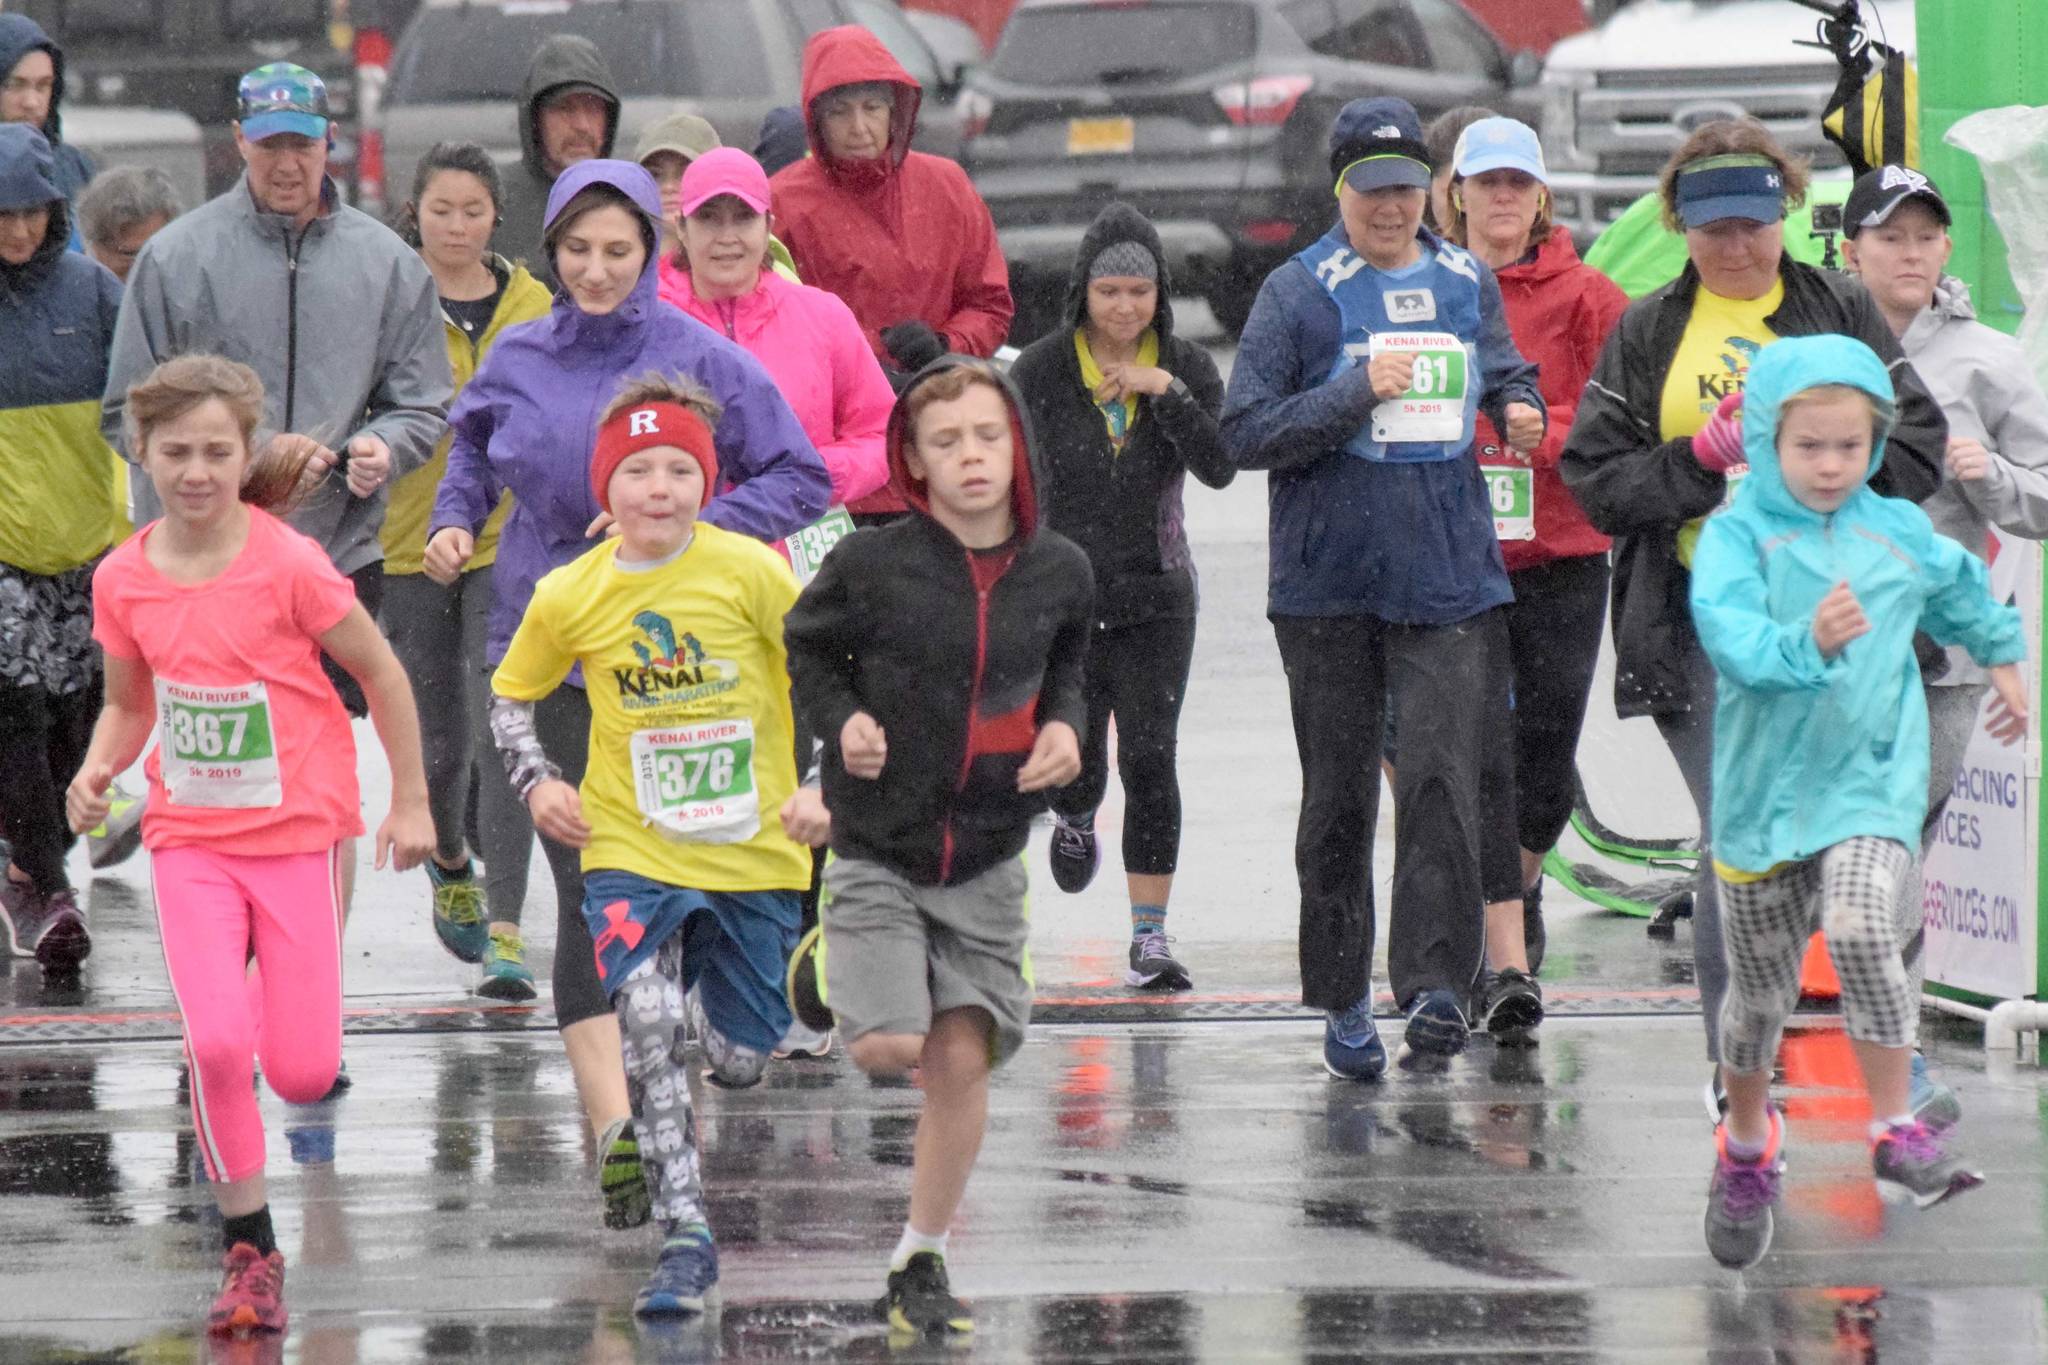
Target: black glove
x,y
913,345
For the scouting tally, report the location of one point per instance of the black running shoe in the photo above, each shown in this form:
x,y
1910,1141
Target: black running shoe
x,y
1154,967
1075,854
805,983
1436,1026
920,1301
1514,1007
1533,935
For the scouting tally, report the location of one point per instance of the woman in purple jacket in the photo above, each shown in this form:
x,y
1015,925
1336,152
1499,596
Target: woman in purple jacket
x,y
526,423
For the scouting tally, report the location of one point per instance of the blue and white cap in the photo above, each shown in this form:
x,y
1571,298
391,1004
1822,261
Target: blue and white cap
x,y
1499,144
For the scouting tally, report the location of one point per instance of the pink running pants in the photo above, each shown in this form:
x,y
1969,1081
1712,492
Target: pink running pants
x,y
213,910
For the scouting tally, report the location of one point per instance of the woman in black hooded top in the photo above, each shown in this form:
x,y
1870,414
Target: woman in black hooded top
x,y
1122,411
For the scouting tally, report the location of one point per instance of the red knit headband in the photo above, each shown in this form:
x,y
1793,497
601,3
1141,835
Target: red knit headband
x,y
642,427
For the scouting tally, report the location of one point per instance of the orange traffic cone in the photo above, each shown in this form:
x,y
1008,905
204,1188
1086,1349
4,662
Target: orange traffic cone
x,y
1817,977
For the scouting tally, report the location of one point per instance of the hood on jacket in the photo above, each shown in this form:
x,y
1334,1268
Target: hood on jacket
x,y
1119,222
1025,475
19,36
632,180
1555,255
850,55
1952,300
27,179
1792,366
565,59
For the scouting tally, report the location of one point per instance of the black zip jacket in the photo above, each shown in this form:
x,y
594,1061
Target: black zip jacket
x,y
1124,507
960,656
1641,489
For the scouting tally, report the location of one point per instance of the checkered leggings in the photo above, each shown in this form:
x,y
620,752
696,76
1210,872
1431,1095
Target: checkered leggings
x,y
1849,892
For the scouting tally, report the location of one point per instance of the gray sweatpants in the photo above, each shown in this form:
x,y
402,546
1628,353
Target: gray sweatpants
x,y
1850,891
1690,737
1951,717
438,634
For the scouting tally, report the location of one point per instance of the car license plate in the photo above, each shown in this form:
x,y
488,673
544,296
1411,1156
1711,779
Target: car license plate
x,y
1101,136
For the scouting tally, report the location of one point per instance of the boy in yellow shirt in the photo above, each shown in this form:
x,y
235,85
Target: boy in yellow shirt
x,y
691,895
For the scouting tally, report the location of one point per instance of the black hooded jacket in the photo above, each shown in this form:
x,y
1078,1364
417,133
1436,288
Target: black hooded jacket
x,y
1124,507
565,59
960,655
19,36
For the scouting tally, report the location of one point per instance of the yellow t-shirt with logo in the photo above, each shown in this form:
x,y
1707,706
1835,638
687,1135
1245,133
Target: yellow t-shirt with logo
x,y
689,656
1713,359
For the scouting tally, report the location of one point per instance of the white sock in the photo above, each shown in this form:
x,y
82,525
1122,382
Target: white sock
x,y
1879,1127
913,1242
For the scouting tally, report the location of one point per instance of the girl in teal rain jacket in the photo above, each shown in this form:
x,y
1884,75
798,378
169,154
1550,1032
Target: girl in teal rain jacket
x,y
1806,593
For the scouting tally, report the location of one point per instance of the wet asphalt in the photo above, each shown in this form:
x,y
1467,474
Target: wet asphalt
x,y
1164,1179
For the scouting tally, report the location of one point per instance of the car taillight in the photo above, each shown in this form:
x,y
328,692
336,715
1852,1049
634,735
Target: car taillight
x,y
976,108
1262,101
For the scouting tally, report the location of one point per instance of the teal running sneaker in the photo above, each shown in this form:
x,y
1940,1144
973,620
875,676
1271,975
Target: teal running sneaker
x,y
459,911
506,975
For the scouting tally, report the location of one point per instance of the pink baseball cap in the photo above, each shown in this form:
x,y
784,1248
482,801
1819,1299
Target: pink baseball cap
x,y
723,170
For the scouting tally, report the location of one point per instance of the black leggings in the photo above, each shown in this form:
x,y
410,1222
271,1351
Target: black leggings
x,y
1139,674
562,722
43,738
1551,644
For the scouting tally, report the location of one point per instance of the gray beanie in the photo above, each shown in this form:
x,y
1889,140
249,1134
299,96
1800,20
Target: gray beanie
x,y
1124,259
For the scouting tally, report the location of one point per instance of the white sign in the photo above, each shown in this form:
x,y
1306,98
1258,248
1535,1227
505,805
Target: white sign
x,y
1978,901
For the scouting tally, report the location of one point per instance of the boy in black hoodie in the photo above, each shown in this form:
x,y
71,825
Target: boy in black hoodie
x,y
940,658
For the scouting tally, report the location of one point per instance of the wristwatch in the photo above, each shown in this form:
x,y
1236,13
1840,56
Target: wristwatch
x,y
1178,388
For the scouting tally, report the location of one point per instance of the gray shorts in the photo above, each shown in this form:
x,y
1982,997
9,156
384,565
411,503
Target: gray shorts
x,y
897,953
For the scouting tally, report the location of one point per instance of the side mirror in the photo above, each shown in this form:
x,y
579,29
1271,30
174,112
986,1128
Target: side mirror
x,y
1525,68
952,80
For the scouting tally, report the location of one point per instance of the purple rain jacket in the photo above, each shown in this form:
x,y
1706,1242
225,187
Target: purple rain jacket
x,y
527,421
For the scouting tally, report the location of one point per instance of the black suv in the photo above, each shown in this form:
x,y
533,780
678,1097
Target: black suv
x,y
1208,115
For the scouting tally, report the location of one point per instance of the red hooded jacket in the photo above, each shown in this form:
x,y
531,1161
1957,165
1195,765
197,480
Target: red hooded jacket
x,y
1560,311
902,239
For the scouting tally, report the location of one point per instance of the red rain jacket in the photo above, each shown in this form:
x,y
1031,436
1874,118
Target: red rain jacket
x,y
1560,311
900,239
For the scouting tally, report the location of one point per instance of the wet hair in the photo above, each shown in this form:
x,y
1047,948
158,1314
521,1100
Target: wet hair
x,y
943,386
451,156
176,387
656,387
589,199
1441,137
1731,137
1880,411
121,197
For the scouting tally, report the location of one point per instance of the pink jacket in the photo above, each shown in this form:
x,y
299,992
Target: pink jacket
x,y
813,349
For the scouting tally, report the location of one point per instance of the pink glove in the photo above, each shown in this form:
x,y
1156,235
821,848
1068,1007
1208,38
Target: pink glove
x,y
1718,444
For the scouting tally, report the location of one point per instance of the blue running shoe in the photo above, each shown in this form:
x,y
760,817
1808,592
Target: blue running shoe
x,y
682,1277
506,975
1352,1050
1933,1103
1436,1026
459,911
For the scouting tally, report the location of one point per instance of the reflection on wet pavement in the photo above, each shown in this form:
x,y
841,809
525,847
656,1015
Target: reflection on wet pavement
x,y
1177,1192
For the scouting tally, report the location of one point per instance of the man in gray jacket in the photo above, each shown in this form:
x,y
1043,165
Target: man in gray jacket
x,y
336,314
568,112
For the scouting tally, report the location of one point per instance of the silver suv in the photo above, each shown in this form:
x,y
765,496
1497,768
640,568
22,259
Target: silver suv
x,y
1619,100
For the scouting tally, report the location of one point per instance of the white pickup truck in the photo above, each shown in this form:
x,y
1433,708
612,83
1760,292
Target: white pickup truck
x,y
1619,99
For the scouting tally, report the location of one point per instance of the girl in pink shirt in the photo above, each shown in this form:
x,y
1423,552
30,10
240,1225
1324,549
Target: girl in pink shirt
x,y
212,620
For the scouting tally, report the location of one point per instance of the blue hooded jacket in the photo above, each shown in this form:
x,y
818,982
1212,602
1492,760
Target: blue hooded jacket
x,y
1811,751
19,36
528,420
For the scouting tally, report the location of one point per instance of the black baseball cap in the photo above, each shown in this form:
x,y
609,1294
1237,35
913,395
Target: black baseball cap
x,y
1877,194
1377,143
